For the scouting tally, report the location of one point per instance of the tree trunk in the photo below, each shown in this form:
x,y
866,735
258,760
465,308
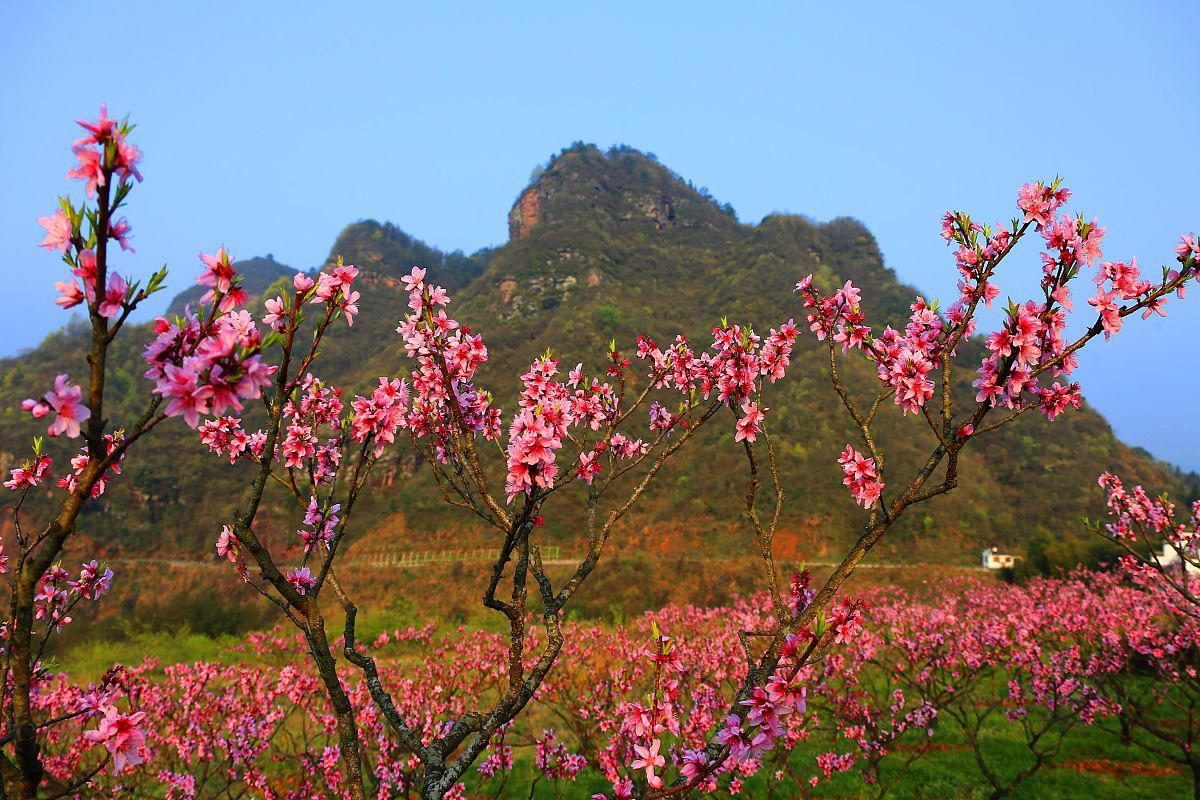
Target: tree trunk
x,y
25,744
343,709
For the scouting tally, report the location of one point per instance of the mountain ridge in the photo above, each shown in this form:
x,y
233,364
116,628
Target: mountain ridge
x,y
603,245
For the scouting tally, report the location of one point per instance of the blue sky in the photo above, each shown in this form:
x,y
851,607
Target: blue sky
x,y
269,126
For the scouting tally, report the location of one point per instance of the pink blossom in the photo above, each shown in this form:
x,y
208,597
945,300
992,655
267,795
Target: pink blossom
x,y
1040,202
588,467
90,168
1189,246
301,579
349,307
120,230
275,318
69,294
414,281
187,399
58,231
85,270
65,400
38,410
126,161
1110,312
114,297
218,274
102,130
228,545
649,760
1058,398
1155,306
94,581
29,475
122,736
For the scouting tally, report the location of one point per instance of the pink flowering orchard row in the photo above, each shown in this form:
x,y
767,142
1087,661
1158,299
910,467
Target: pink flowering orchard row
x,y
594,437
631,707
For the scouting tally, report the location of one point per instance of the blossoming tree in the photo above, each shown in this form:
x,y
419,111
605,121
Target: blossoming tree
x,y
212,361
42,592
323,460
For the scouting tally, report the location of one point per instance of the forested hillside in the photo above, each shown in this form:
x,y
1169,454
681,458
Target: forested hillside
x,y
606,245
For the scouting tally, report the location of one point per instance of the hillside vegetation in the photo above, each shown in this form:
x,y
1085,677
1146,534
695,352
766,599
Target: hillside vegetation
x,y
606,245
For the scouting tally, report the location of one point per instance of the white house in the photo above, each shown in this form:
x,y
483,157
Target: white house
x,y
994,559
1169,557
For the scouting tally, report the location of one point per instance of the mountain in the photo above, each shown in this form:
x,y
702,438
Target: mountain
x,y
603,245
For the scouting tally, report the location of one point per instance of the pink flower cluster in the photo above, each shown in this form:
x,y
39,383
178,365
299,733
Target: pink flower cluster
x,y
1134,510
860,475
552,759
220,277
83,266
104,151
1161,542
335,289
80,462
66,402
382,415
319,525
301,579
208,366
225,436
538,428
58,594
30,474
318,410
1031,340
903,361
447,357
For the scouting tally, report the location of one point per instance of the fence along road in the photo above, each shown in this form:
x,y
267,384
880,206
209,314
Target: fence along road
x,y
551,556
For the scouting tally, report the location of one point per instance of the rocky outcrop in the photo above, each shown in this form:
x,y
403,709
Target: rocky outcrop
x,y
372,279
534,293
661,212
526,212
507,287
